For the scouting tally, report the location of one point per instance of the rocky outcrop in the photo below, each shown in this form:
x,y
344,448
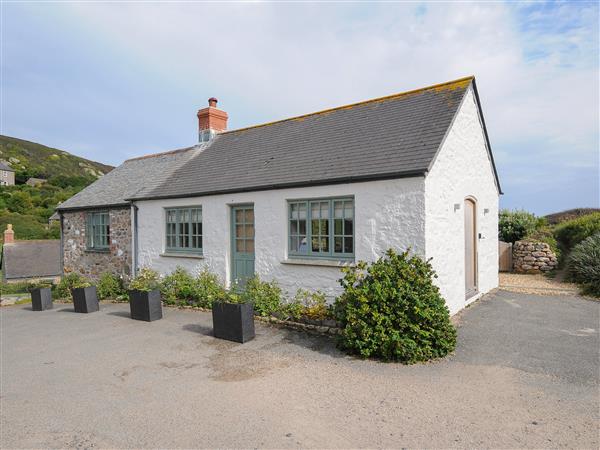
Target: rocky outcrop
x,y
533,257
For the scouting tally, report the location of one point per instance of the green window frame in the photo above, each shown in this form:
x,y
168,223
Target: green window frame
x,y
321,228
183,229
98,231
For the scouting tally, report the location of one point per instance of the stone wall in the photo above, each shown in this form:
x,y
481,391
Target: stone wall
x,y
76,258
533,257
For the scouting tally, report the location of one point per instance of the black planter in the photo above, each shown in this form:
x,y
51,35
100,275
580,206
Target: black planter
x,y
233,321
85,300
145,305
41,299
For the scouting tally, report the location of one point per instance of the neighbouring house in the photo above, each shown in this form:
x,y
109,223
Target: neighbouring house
x,y
35,181
7,175
297,199
54,218
33,260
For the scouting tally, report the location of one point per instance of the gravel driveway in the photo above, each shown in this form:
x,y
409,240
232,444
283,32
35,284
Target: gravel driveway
x,y
525,374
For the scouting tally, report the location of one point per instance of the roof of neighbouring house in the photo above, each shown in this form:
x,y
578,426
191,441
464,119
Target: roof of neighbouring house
x,y
31,259
4,166
136,175
33,180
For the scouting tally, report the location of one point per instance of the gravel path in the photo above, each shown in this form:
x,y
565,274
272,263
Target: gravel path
x,y
536,284
525,374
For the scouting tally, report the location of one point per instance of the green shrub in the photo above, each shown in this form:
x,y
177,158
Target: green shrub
x,y
584,264
266,296
392,310
572,232
180,288
516,225
70,281
291,310
111,286
146,280
314,304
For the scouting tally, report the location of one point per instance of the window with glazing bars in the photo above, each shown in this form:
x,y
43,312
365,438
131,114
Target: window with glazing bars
x,y
184,229
98,231
321,228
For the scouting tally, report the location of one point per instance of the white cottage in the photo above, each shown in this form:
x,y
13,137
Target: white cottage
x,y
296,199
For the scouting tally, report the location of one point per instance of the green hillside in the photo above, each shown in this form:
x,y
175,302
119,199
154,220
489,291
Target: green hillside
x,y
28,208
29,159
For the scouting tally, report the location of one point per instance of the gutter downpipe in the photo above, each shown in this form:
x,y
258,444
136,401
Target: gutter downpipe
x,y
134,243
62,244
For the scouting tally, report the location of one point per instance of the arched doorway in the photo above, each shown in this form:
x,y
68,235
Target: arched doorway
x,y
470,248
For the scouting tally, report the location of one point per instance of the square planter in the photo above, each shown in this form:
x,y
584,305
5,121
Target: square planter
x,y
233,321
145,305
41,299
85,300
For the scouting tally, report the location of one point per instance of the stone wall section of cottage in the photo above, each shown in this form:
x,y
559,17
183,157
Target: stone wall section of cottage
x,y
76,257
388,214
533,257
462,169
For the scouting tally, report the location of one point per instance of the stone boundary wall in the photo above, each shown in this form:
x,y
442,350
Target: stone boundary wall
x,y
76,258
533,257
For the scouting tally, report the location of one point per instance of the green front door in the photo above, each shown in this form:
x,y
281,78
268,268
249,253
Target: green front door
x,y
242,232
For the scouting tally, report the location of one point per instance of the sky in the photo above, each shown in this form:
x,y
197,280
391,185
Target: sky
x,y
110,81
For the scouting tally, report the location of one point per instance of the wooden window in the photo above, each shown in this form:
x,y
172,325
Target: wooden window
x,y
98,231
184,229
321,228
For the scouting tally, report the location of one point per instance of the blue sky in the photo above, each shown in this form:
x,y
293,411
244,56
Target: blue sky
x,y
111,81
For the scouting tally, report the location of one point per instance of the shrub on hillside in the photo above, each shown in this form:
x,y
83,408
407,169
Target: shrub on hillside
x,y
111,286
584,264
265,295
516,225
572,232
545,234
391,310
70,281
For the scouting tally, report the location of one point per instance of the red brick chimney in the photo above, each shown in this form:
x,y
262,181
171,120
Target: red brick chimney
x,y
9,234
211,121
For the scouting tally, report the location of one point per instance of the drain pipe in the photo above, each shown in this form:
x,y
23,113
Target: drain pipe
x,y
134,239
62,243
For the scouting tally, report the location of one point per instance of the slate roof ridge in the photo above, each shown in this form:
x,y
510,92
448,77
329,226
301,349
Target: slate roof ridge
x,y
399,95
168,152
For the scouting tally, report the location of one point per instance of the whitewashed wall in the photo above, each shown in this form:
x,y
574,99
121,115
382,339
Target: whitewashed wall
x,y
462,169
388,214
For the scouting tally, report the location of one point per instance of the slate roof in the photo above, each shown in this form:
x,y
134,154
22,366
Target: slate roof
x,y
389,137
4,166
31,259
134,176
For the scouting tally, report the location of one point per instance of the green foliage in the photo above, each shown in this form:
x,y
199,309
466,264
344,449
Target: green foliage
x,y
146,280
29,207
572,232
392,310
314,304
180,288
111,286
265,295
68,282
584,264
516,225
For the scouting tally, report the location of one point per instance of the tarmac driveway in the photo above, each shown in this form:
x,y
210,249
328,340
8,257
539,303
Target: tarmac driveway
x,y
525,374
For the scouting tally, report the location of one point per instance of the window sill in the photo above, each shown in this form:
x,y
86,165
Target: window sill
x,y
97,250
182,255
318,262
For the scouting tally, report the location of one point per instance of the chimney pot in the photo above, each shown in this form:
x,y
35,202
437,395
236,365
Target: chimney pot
x,y
9,234
213,102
